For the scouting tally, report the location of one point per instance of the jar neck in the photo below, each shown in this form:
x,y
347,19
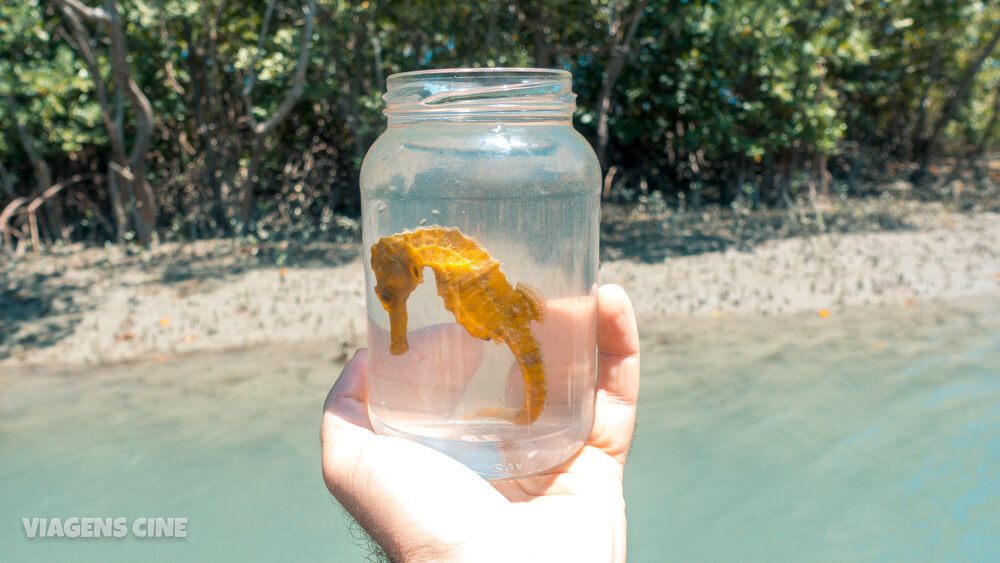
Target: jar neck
x,y
480,96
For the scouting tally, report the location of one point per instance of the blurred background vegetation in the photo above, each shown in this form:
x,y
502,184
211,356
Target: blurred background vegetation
x,y
175,119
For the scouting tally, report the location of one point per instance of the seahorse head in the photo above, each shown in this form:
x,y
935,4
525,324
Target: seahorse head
x,y
397,274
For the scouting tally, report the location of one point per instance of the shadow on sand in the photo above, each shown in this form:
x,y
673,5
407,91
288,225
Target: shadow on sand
x,y
37,311
632,234
44,298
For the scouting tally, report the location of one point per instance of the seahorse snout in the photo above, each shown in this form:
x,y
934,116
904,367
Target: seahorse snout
x,y
397,330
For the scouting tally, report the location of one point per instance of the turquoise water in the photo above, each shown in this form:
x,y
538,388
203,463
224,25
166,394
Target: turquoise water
x,y
873,436
230,441
866,436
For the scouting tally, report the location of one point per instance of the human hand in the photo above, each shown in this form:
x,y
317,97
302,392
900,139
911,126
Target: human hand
x,y
421,505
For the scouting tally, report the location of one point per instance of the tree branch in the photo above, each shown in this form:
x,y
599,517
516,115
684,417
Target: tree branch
x,y
5,183
956,99
611,72
93,15
298,81
125,85
43,175
82,45
262,131
252,78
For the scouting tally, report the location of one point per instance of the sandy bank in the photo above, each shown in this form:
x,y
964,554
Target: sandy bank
x,y
105,305
952,256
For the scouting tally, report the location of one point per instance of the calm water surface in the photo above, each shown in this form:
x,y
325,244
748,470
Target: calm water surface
x,y
869,435
872,436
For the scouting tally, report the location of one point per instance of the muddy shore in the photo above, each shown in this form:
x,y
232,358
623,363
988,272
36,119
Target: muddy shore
x,y
103,305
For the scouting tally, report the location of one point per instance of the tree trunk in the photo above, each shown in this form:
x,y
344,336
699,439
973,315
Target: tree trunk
x,y
766,190
378,69
205,130
929,143
533,16
145,198
42,172
262,131
131,169
43,177
933,75
620,42
991,125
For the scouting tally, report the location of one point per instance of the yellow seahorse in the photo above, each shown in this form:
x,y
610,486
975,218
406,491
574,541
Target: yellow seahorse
x,y
474,289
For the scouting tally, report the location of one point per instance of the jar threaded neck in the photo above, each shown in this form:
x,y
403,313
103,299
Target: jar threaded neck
x,y
475,93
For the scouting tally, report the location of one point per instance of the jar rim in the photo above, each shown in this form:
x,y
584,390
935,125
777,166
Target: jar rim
x,y
486,71
463,91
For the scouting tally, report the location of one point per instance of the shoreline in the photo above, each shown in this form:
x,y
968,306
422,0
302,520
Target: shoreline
x,y
953,257
99,306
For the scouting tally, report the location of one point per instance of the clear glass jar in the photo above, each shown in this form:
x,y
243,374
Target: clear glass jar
x,y
481,189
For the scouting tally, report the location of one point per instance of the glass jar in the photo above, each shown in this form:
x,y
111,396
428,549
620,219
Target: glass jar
x,y
481,188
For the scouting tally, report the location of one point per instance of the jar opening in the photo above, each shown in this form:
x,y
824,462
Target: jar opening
x,y
477,92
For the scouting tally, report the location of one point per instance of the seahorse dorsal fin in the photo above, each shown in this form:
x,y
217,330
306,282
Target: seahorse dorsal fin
x,y
534,299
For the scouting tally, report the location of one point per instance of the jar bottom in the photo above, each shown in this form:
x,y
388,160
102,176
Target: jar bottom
x,y
470,443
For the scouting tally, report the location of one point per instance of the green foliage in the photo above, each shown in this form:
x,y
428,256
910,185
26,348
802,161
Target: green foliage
x,y
50,89
714,94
